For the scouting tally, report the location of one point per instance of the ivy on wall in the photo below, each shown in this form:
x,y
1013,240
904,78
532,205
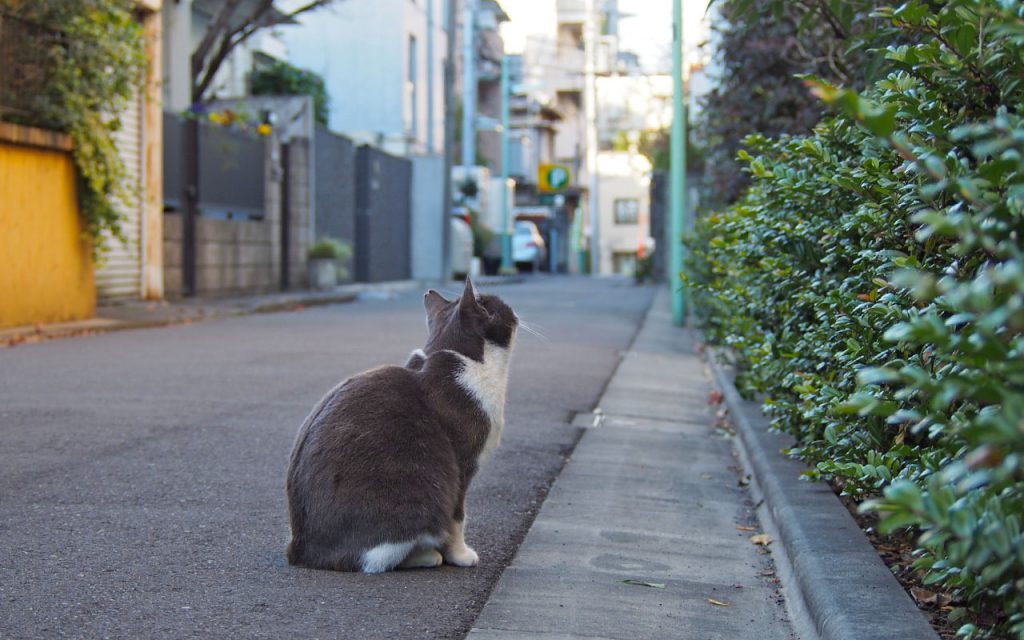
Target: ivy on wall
x,y
94,62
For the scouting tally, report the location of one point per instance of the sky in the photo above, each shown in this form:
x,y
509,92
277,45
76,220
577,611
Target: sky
x,y
647,31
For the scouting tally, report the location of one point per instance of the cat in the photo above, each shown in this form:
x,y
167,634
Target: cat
x,y
380,468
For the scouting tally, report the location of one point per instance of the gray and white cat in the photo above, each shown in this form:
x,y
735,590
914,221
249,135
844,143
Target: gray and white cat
x,y
380,468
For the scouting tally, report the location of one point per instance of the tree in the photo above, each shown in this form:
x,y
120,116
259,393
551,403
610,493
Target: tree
x,y
282,78
764,45
234,22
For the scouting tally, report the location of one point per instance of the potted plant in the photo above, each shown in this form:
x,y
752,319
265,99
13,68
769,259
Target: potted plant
x,y
325,258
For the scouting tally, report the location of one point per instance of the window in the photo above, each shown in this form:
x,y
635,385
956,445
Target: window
x,y
627,211
624,263
411,121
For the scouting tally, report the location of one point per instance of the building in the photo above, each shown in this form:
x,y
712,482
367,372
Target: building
x,y
624,205
382,63
46,270
629,105
490,49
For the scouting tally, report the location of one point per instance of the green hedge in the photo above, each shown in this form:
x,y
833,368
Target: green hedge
x,y
871,283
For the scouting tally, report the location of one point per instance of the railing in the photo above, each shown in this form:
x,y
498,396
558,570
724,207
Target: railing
x,y
25,68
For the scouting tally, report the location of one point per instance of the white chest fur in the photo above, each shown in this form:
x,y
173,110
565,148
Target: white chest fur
x,y
487,382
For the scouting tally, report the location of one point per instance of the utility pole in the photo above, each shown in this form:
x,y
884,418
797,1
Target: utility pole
x,y
469,85
506,232
430,77
590,115
677,195
449,140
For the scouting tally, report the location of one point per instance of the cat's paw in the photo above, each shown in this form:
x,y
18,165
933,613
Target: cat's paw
x,y
422,559
461,557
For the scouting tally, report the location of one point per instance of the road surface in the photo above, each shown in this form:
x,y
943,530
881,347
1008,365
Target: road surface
x,y
142,472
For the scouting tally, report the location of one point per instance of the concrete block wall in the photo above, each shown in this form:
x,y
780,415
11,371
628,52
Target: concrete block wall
x,y
300,190
232,257
244,256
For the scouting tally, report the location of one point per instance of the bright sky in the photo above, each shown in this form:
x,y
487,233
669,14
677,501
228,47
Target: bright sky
x,y
647,31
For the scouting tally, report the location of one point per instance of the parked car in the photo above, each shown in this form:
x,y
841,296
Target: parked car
x,y
462,244
528,248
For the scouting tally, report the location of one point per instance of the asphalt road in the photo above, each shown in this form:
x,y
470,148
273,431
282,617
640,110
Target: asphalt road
x,y
142,472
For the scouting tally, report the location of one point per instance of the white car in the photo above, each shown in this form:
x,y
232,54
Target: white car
x,y
528,248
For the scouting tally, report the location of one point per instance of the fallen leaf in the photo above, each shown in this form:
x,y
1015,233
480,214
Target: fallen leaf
x,y
744,481
924,596
762,539
718,603
715,397
644,583
741,527
706,476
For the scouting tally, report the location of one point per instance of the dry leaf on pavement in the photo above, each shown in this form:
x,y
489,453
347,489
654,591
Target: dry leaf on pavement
x,y
762,539
644,583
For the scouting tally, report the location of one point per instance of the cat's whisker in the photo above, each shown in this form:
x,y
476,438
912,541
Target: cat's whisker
x,y
531,330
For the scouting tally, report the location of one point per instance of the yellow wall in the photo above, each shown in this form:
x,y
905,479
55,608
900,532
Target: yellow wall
x,y
46,270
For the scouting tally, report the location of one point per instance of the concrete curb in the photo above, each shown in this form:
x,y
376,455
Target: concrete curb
x,y
837,588
144,315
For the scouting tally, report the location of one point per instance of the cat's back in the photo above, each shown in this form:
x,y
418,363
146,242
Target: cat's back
x,y
370,403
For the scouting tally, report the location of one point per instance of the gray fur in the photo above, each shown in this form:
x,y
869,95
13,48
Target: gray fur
x,y
387,456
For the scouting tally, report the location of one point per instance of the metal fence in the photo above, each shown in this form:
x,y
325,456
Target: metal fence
x,y
231,180
26,50
383,220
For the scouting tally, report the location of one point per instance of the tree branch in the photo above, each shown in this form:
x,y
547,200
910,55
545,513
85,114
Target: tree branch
x,y
833,20
219,22
262,16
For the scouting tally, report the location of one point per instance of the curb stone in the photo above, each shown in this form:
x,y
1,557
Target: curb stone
x,y
837,587
151,314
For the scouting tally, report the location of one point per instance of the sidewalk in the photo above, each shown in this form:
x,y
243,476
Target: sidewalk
x,y
647,531
141,314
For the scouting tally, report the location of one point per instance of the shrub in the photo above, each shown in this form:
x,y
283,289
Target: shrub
x,y
871,283
329,248
282,78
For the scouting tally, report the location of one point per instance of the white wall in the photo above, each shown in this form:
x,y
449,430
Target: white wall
x,y
622,175
427,217
361,50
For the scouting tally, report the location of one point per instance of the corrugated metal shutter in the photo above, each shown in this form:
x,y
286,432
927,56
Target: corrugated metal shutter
x,y
120,275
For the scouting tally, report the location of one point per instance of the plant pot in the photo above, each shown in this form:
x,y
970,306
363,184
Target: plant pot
x,y
491,265
323,274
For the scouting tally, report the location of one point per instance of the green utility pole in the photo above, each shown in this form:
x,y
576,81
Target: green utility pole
x,y
506,233
677,195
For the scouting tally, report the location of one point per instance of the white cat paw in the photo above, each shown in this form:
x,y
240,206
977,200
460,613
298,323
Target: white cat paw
x,y
461,557
423,559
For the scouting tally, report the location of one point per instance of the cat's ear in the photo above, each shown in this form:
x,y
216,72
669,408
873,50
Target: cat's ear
x,y
469,303
434,301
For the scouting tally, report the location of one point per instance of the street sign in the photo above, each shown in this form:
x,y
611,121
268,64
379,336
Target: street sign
x,y
552,178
